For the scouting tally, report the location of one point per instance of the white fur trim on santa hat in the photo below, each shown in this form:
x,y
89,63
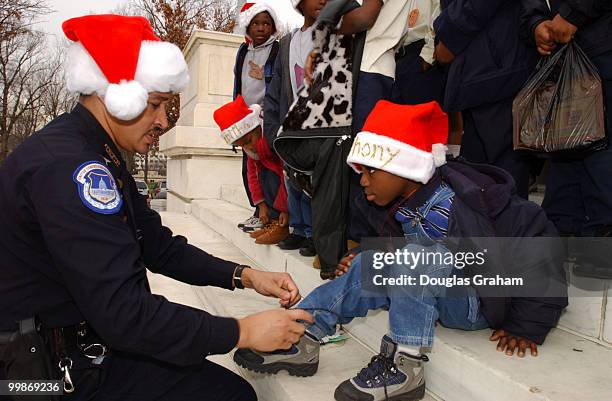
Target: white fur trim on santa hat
x,y
245,18
83,76
295,4
161,67
439,153
126,100
244,126
395,157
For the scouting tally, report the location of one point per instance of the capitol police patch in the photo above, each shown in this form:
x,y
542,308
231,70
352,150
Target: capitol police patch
x,y
97,188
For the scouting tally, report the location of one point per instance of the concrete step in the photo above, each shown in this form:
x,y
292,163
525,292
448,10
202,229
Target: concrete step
x,y
338,361
464,366
236,195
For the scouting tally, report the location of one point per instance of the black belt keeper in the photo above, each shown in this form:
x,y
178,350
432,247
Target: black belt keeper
x,y
25,355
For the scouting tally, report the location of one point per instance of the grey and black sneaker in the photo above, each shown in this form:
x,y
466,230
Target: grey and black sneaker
x,y
302,359
251,224
390,376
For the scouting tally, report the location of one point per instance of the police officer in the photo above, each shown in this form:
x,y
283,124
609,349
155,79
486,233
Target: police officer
x,y
76,239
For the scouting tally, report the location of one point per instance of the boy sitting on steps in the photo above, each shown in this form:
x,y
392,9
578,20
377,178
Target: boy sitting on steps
x,y
400,153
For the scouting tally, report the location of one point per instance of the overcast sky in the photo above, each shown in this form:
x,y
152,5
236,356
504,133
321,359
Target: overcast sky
x,y
65,9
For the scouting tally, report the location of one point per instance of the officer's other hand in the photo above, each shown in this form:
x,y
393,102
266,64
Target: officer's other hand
x,y
344,264
272,330
273,284
544,38
442,54
562,30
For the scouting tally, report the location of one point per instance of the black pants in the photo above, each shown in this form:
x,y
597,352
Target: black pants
x,y
487,138
132,378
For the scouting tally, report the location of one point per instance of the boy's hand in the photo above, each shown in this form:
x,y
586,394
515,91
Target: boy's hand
x,y
264,213
509,343
544,38
442,55
344,264
309,67
562,30
283,219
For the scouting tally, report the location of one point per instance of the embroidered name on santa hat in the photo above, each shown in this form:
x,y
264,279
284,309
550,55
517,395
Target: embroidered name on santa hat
x,y
121,59
402,140
236,119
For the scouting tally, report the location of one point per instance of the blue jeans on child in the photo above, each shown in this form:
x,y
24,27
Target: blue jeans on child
x,y
300,215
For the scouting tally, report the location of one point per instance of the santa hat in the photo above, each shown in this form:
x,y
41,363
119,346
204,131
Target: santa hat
x,y
249,10
121,59
400,140
295,4
236,119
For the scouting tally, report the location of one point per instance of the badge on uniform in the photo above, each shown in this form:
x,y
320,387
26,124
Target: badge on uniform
x,y
97,188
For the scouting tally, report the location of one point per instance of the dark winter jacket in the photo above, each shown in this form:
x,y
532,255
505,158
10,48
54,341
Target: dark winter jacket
x,y
491,62
592,17
486,205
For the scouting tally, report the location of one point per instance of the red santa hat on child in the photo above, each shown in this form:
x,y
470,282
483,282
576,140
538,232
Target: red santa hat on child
x,y
249,10
121,59
407,141
236,119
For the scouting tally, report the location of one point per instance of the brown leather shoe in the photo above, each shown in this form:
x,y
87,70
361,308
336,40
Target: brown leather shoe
x,y
273,236
261,231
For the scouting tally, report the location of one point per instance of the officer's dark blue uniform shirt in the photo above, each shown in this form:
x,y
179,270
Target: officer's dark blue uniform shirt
x,y
69,249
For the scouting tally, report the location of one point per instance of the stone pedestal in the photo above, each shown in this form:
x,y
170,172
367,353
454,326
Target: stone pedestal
x,y
199,160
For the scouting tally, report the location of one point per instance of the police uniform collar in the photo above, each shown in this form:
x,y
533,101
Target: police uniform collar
x,y
97,135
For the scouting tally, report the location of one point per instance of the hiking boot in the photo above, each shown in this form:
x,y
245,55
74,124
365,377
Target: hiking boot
x,y
391,375
302,359
251,224
293,241
274,235
308,249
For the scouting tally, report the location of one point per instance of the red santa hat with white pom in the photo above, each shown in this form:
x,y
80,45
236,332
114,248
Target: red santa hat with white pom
x,y
407,141
122,60
249,10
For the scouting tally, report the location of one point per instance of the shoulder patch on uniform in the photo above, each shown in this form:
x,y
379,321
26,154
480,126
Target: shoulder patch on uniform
x,y
97,188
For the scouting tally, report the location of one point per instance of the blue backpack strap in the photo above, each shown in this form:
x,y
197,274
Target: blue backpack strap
x,y
269,66
240,56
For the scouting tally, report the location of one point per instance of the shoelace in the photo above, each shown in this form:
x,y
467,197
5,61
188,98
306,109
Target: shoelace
x,y
379,366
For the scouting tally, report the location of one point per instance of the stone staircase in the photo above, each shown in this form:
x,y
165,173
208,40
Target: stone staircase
x,y
571,365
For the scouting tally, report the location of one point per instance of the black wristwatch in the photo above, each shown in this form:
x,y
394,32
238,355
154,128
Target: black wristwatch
x,y
238,276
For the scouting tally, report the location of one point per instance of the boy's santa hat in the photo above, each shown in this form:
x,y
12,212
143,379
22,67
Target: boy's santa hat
x,y
249,10
236,119
407,141
121,59
295,4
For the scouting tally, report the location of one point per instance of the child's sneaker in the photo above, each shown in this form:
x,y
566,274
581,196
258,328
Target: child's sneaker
x,y
251,224
302,359
391,375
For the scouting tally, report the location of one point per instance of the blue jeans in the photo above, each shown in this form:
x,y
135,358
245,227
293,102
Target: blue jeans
x,y
300,214
413,310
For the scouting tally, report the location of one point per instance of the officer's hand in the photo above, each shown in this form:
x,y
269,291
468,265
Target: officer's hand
x,y
562,30
344,264
272,330
272,284
508,343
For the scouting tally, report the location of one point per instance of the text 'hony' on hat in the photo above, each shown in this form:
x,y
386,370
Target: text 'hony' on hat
x,y
120,58
249,10
407,141
236,119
